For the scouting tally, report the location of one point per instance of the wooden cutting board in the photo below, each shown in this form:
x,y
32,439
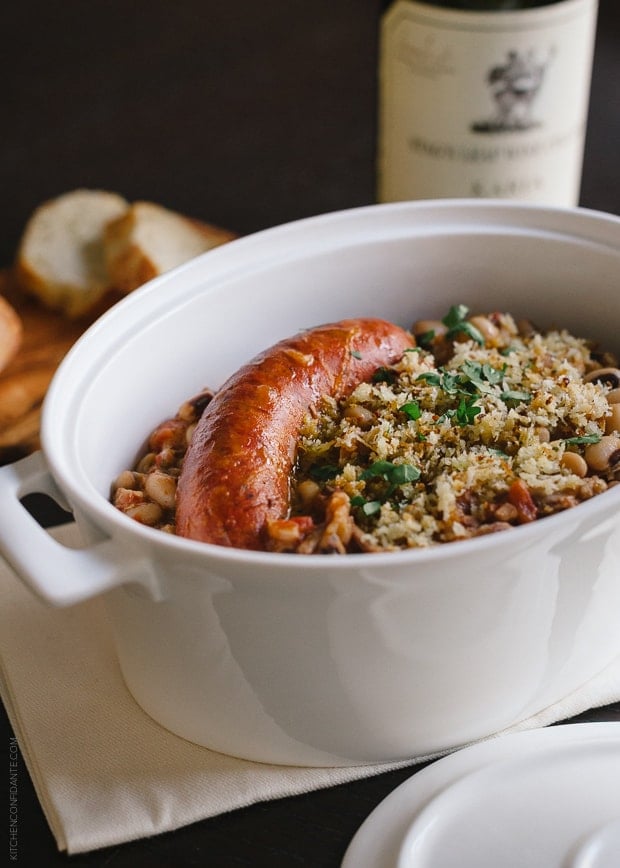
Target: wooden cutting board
x,y
47,337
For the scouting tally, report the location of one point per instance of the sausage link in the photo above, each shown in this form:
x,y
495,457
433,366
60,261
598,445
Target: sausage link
x,y
236,473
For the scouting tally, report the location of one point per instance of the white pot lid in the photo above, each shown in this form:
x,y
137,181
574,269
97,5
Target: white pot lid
x,y
548,798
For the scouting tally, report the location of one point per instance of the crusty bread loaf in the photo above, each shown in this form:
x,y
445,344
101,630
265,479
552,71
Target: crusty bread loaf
x,y
11,331
148,240
61,258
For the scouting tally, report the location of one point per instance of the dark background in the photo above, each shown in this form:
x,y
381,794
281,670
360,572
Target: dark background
x,y
244,114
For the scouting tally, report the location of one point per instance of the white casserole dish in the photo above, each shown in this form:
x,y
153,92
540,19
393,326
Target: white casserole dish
x,y
325,660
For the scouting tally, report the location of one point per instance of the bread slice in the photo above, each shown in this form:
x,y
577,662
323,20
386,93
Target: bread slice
x,y
11,332
61,258
148,240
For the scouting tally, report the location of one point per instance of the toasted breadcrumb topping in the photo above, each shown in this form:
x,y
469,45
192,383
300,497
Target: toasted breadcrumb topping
x,y
465,435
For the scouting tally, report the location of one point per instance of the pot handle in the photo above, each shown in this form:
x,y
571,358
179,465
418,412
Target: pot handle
x,y
56,573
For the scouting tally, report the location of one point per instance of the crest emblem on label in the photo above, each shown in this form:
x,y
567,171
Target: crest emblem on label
x,y
514,85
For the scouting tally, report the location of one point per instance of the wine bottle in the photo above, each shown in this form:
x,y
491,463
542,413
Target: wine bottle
x,y
484,99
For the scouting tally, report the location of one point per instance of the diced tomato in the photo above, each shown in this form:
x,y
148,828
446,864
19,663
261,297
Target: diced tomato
x,y
520,497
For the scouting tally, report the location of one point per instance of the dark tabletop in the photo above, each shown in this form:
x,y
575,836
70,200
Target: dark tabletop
x,y
244,114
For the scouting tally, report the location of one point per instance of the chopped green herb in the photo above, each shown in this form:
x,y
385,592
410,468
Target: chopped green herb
x,y
450,383
470,330
483,377
371,507
446,380
426,338
515,395
464,414
323,472
431,378
394,474
402,473
456,315
456,322
492,374
412,410
397,474
467,411
583,440
356,354
378,468
384,375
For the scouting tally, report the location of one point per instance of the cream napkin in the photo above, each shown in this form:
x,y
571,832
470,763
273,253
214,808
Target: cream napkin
x,y
105,773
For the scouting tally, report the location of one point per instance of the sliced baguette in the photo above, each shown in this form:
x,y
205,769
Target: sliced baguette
x,y
148,240
61,258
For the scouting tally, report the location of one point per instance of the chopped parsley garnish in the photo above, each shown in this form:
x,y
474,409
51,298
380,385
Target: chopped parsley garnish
x,y
323,472
483,377
515,395
471,381
465,413
583,440
384,375
470,374
444,380
411,410
426,338
450,383
394,474
432,378
356,354
369,507
456,322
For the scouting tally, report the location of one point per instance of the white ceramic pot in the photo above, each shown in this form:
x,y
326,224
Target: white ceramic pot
x,y
323,660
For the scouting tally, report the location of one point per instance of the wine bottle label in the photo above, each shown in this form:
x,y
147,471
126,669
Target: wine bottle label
x,y
484,104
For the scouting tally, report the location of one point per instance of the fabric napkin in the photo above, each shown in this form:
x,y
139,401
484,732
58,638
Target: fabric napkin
x,y
104,772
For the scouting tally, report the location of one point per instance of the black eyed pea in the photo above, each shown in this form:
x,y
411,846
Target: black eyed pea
x,y
612,422
146,513
574,463
127,479
603,455
487,329
613,397
161,489
609,376
307,491
526,328
424,326
146,462
360,416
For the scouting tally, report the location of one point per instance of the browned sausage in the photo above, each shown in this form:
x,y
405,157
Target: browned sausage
x,y
236,473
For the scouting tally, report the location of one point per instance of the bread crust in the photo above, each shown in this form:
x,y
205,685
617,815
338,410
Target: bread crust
x,y
131,261
236,472
11,332
60,259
